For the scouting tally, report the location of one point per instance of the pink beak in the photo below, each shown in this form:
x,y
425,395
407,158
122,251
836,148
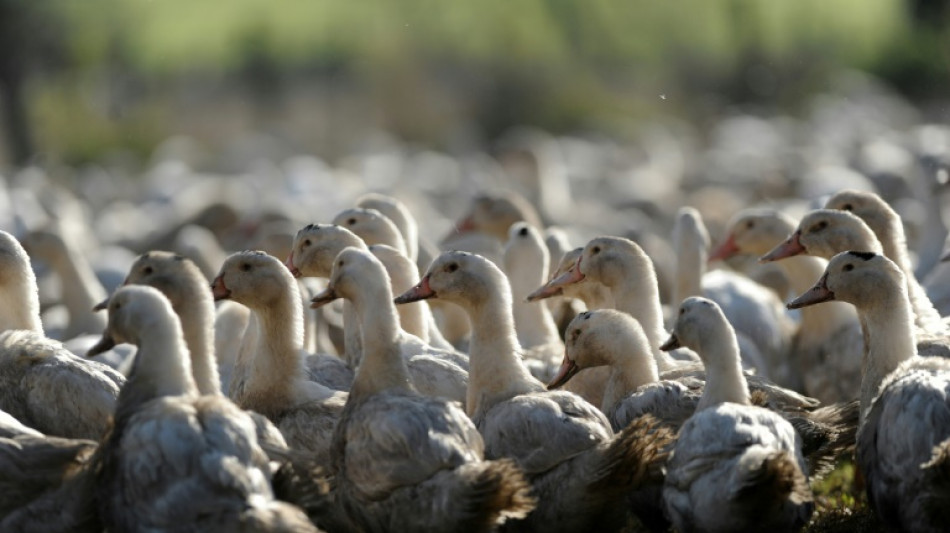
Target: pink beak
x,y
421,291
791,247
725,250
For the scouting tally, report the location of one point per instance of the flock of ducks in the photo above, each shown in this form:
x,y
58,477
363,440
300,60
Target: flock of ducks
x,y
354,376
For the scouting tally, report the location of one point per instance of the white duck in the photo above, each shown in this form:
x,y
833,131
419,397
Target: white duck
x,y
889,229
175,459
526,263
183,283
762,326
623,267
735,467
364,282
405,462
400,216
564,444
827,232
269,376
828,342
315,247
903,445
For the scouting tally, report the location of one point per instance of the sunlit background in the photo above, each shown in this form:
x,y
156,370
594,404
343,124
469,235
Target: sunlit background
x,y
89,80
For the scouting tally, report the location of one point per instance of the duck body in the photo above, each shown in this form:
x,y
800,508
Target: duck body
x,y
718,484
904,461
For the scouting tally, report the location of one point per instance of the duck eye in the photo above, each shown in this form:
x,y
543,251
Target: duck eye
x,y
847,207
848,268
819,226
452,267
749,224
682,311
523,232
340,263
595,250
246,267
350,221
306,242
147,270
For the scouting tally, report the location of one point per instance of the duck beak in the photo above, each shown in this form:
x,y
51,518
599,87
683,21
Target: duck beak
x,y
421,291
556,286
545,291
671,344
219,290
565,373
323,298
817,294
289,263
791,247
105,344
725,250
101,306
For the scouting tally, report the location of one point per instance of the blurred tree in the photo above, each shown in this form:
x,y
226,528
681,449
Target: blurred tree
x,y
31,35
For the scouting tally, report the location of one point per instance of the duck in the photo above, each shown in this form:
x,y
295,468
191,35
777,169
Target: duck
x,y
762,326
493,212
734,466
213,474
625,269
184,284
404,461
400,215
564,444
889,230
372,227
827,232
315,247
270,375
525,263
363,283
903,443
50,389
828,344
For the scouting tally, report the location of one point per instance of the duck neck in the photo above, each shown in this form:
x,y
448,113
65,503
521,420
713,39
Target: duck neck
x,y
534,323
22,309
690,267
412,318
276,366
81,292
818,322
382,367
496,372
640,298
197,319
894,243
724,379
629,370
162,365
889,340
